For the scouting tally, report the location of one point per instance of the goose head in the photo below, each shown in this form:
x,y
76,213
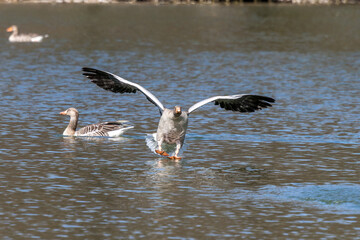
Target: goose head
x,y
72,112
177,111
12,28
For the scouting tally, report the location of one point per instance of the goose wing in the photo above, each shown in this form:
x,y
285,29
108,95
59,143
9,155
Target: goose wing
x,y
240,103
101,129
116,84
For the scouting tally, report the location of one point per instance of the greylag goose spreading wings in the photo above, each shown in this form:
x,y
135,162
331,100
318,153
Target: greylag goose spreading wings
x,y
105,129
173,122
28,37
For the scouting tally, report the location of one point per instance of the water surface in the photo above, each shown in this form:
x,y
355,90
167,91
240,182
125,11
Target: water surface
x,y
289,172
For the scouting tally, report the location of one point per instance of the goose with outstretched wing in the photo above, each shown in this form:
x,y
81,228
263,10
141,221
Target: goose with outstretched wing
x,y
173,122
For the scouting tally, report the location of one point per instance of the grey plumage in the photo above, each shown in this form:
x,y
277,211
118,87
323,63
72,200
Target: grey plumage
x,y
105,129
100,129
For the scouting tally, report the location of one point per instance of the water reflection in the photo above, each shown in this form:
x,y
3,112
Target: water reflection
x,y
72,140
163,173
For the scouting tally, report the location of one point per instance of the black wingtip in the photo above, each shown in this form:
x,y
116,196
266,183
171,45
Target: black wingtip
x,y
107,81
267,99
93,73
88,69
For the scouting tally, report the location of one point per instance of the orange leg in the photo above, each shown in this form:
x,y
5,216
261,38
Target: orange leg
x,y
162,153
175,158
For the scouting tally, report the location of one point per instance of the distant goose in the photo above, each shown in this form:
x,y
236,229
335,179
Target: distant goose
x,y
29,37
173,122
106,129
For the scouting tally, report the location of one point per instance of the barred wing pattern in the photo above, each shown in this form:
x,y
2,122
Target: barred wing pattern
x,y
116,84
101,129
239,103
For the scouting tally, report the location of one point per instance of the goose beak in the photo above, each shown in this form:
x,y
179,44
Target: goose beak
x,y
63,113
9,29
177,110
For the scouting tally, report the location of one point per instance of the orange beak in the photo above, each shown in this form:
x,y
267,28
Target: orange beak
x,y
178,110
9,29
63,113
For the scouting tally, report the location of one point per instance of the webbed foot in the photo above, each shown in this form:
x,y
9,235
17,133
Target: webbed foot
x,y
175,158
162,153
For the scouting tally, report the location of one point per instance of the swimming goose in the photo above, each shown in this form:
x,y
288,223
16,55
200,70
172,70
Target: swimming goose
x,y
173,122
30,37
106,129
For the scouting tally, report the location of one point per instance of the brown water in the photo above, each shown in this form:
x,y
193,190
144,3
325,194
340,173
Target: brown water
x,y
289,172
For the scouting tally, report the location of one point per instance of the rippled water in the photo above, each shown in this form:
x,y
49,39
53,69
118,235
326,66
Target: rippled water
x,y
289,172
